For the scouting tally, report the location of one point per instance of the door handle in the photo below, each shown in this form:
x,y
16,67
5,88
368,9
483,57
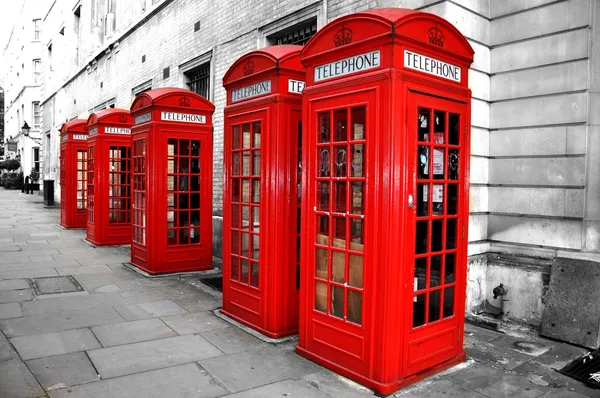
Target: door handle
x,y
411,201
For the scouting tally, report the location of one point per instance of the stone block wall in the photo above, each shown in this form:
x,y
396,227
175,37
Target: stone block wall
x,y
538,118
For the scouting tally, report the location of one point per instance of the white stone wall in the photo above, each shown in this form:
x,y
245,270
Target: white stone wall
x,y
539,114
20,88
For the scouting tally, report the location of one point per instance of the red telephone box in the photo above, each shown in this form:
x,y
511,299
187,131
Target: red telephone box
x,y
384,227
109,175
263,128
172,181
73,174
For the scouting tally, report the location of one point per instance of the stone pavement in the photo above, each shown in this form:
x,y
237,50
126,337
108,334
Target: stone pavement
x,y
130,336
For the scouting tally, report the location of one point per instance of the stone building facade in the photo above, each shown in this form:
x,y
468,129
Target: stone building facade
x,y
22,58
535,193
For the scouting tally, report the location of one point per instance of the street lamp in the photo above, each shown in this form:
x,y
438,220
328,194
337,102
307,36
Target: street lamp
x,y
25,130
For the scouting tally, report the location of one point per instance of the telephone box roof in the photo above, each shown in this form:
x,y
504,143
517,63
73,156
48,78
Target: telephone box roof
x,y
397,23
76,125
171,97
111,115
270,58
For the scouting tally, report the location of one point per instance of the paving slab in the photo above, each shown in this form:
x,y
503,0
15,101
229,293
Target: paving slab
x,y
184,381
251,369
63,370
12,296
105,288
9,249
157,294
162,308
496,383
232,340
28,273
106,277
44,258
201,303
16,266
495,355
13,284
37,247
194,323
56,322
16,381
102,261
284,388
84,269
138,297
563,394
439,388
13,244
560,355
44,233
545,376
150,355
132,332
482,334
10,310
138,284
132,312
65,262
58,343
99,286
10,258
75,303
335,385
6,349
529,345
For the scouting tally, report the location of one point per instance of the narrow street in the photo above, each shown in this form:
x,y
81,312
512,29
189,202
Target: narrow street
x,y
125,335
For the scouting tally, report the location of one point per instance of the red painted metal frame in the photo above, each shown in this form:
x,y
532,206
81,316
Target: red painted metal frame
x,y
73,200
357,301
266,296
109,160
161,224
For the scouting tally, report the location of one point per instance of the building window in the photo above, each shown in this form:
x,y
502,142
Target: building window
x,y
77,26
37,71
36,115
295,28
141,88
110,21
103,105
36,29
36,159
297,34
50,56
198,79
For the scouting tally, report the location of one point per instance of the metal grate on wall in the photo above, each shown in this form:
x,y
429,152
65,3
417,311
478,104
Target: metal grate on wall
x,y
300,34
199,80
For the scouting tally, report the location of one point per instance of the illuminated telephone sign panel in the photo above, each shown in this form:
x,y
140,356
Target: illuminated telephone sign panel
x,y
261,207
385,200
109,177
73,174
172,179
